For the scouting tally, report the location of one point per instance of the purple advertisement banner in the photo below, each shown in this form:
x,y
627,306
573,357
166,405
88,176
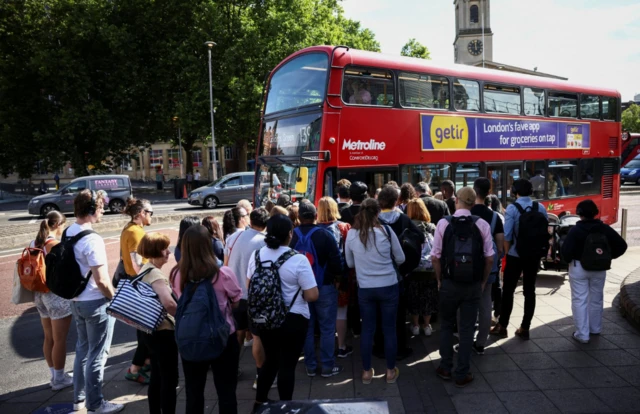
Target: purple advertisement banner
x,y
451,132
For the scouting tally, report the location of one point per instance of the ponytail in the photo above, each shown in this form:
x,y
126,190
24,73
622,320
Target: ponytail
x,y
53,220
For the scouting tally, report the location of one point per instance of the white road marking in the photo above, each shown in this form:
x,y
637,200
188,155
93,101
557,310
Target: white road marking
x,y
20,215
33,221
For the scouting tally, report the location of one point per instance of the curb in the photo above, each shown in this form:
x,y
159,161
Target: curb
x,y
630,298
21,240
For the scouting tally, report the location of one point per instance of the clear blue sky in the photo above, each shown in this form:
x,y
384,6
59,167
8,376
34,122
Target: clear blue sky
x,y
593,42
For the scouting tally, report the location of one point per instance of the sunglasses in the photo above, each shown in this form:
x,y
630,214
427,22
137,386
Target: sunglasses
x,y
149,212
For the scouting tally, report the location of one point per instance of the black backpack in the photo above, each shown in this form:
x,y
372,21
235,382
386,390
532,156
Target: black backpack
x,y
411,244
463,250
64,277
596,254
532,234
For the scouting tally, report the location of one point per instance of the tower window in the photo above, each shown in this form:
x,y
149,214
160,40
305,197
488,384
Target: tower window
x,y
473,12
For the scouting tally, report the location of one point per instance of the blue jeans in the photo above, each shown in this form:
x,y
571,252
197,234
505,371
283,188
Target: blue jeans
x,y
95,331
324,311
466,297
370,299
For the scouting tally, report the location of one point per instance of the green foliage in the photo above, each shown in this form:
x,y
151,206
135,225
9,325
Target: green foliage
x,y
89,80
631,119
413,48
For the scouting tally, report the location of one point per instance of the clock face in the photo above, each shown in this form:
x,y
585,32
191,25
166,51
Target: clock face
x,y
475,47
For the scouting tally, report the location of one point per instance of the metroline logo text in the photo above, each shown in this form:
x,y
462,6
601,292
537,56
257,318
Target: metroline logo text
x,y
372,145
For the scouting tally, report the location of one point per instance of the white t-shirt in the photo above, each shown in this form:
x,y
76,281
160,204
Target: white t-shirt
x,y
89,251
196,176
295,273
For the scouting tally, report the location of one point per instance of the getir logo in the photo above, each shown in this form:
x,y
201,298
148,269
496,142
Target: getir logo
x,y
371,145
449,132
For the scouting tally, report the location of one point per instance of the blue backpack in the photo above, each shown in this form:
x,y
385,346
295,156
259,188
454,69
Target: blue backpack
x,y
305,246
201,329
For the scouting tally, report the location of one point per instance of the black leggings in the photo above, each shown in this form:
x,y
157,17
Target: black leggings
x,y
225,378
163,352
282,348
142,352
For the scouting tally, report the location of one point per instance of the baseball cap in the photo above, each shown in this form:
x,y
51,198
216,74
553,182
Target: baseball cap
x,y
307,211
467,196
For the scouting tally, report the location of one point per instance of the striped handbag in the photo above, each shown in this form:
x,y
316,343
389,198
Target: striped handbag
x,y
137,304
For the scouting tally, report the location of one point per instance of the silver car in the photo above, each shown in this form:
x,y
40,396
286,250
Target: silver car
x,y
118,188
226,190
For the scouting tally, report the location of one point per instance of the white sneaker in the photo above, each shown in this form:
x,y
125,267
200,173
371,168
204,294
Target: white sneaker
x,y
415,330
428,331
77,406
255,383
66,381
107,407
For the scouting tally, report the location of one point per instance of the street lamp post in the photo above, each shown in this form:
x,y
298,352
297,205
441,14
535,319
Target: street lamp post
x,y
176,119
214,168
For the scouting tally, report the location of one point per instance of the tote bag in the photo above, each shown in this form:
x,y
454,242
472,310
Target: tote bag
x,y
20,295
137,305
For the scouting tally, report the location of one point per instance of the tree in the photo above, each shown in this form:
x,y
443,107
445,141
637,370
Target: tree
x,y
413,48
631,119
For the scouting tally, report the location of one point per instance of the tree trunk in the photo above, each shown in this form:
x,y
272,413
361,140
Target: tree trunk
x,y
188,141
242,155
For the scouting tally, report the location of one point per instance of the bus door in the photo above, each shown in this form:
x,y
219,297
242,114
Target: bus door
x,y
502,176
373,178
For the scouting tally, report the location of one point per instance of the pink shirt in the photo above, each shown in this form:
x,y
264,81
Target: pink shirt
x,y
226,288
483,226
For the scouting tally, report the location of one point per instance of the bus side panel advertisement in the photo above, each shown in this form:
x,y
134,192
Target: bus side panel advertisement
x,y
446,132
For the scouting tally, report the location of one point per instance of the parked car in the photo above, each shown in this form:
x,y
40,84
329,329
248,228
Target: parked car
x,y
630,173
227,190
118,188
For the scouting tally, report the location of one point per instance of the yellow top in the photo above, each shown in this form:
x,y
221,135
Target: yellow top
x,y
129,241
153,276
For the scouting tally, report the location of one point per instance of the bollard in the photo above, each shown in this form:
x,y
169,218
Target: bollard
x,y
623,231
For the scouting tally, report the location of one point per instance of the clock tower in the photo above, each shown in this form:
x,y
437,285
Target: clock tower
x,y
469,46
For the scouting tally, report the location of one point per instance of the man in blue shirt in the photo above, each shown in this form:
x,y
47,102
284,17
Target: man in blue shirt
x,y
528,267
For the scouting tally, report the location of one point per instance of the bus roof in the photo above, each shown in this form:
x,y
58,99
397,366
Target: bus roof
x,y
380,60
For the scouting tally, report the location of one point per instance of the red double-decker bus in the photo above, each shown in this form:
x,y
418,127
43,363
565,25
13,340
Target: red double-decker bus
x,y
333,112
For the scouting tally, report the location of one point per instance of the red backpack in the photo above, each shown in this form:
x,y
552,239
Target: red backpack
x,y
32,270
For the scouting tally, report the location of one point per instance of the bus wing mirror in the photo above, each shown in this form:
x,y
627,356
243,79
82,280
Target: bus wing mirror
x,y
302,181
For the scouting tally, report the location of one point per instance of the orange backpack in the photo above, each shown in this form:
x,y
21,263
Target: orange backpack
x,y
32,270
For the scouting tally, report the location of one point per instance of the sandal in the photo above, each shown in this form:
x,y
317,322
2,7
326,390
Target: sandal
x,y
138,377
146,368
365,380
395,376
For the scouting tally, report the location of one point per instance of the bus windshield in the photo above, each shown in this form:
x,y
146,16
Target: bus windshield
x,y
300,82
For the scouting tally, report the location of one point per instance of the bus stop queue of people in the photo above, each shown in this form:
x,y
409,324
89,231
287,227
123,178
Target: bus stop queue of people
x,y
338,268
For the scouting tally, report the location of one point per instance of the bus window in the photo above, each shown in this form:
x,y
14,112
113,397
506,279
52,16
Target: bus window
x,y
609,108
561,178
513,173
501,99
299,82
533,102
563,104
466,95
534,171
423,91
590,106
494,174
432,174
365,86
466,174
589,178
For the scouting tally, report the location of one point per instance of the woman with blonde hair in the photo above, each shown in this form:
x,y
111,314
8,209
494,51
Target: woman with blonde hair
x,y
328,217
55,312
421,285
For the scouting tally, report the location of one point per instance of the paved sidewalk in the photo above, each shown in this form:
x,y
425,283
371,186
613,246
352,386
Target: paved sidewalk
x,y
551,373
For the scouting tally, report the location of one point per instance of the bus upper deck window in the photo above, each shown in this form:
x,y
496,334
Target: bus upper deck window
x,y
590,106
366,86
423,91
609,108
466,95
501,99
563,104
533,102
